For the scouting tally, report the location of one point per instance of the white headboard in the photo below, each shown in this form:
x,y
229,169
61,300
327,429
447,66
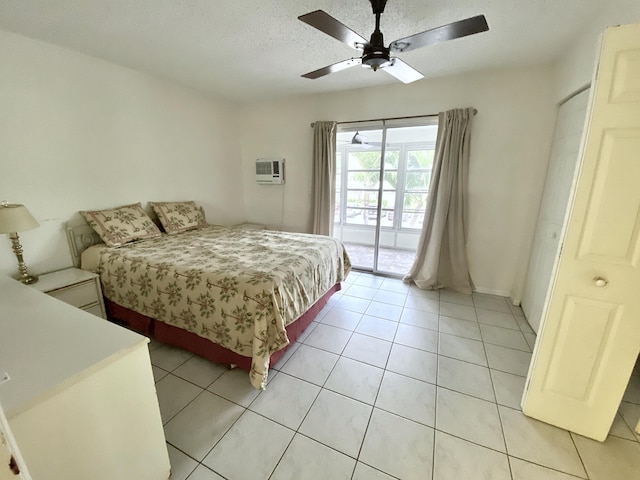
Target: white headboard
x,y
80,237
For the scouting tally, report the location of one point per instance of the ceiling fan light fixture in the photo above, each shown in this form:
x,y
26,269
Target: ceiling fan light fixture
x,y
376,57
374,62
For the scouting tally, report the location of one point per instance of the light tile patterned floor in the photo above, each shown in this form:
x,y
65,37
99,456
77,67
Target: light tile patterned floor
x,y
388,382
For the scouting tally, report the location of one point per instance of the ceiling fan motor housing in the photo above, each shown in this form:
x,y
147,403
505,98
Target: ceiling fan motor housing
x,y
375,54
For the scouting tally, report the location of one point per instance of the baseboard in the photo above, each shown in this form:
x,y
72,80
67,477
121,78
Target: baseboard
x,y
491,291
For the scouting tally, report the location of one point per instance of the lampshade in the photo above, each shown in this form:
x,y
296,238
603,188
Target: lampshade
x,y
15,218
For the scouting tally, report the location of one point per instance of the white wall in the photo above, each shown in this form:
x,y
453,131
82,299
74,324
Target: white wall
x,y
510,145
79,133
574,69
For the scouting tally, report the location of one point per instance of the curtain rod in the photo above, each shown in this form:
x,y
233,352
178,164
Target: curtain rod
x,y
475,112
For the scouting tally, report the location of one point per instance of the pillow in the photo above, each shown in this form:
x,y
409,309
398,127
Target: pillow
x,y
177,217
121,225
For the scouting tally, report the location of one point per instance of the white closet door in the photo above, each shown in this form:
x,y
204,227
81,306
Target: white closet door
x,y
562,163
590,333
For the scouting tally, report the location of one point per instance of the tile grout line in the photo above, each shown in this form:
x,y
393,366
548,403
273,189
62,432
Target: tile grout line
x,y
198,462
285,426
435,404
495,396
281,456
187,404
584,467
636,436
221,437
540,464
384,369
546,467
209,469
297,430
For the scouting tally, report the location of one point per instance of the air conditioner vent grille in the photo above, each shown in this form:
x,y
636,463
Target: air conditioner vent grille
x,y
270,171
263,168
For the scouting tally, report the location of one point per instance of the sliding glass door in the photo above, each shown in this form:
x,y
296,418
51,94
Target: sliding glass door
x,y
380,205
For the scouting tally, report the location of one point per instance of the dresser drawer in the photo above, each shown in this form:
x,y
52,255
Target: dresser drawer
x,y
95,309
78,295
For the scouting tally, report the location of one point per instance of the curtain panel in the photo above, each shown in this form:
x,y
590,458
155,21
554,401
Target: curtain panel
x,y
441,257
324,176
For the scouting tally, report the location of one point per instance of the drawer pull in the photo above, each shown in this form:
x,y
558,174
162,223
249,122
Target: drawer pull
x,y
600,282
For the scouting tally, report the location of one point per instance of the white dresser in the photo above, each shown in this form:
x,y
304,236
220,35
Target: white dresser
x,y
81,399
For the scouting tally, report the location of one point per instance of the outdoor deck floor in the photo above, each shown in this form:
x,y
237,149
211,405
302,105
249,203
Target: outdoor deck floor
x,y
390,260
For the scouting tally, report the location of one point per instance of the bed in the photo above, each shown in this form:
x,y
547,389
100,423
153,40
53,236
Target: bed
x,y
231,295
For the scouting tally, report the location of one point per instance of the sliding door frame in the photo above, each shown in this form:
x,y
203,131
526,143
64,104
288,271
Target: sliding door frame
x,y
383,125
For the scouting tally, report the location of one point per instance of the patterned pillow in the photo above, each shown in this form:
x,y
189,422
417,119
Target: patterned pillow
x,y
121,225
177,217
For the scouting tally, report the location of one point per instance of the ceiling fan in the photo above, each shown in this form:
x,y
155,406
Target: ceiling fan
x,y
374,54
361,140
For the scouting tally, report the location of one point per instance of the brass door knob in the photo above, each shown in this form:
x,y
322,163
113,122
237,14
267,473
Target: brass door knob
x,y
600,282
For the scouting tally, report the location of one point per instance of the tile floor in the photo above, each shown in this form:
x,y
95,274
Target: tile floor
x,y
389,382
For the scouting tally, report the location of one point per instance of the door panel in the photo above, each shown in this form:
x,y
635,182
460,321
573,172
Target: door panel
x,y
590,334
562,165
576,360
625,88
615,201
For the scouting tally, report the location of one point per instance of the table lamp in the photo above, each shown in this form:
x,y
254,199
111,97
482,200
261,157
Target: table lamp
x,y
16,218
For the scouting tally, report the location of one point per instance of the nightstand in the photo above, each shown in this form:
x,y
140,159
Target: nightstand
x,y
76,287
250,226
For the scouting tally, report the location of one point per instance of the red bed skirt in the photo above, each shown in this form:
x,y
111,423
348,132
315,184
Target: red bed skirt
x,y
166,333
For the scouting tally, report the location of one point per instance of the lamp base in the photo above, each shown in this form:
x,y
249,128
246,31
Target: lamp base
x,y
25,277
28,280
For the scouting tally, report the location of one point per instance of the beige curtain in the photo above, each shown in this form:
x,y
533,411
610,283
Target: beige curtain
x,y
324,176
441,258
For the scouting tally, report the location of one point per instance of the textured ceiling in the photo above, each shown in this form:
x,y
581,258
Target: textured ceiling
x,y
247,50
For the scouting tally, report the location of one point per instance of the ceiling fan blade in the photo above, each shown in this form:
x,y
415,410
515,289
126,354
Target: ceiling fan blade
x,y
332,27
402,71
462,28
336,67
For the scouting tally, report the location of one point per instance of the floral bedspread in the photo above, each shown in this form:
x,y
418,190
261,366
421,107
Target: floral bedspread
x,y
238,288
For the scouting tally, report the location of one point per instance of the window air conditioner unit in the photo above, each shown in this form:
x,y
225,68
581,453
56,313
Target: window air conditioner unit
x,y
269,171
